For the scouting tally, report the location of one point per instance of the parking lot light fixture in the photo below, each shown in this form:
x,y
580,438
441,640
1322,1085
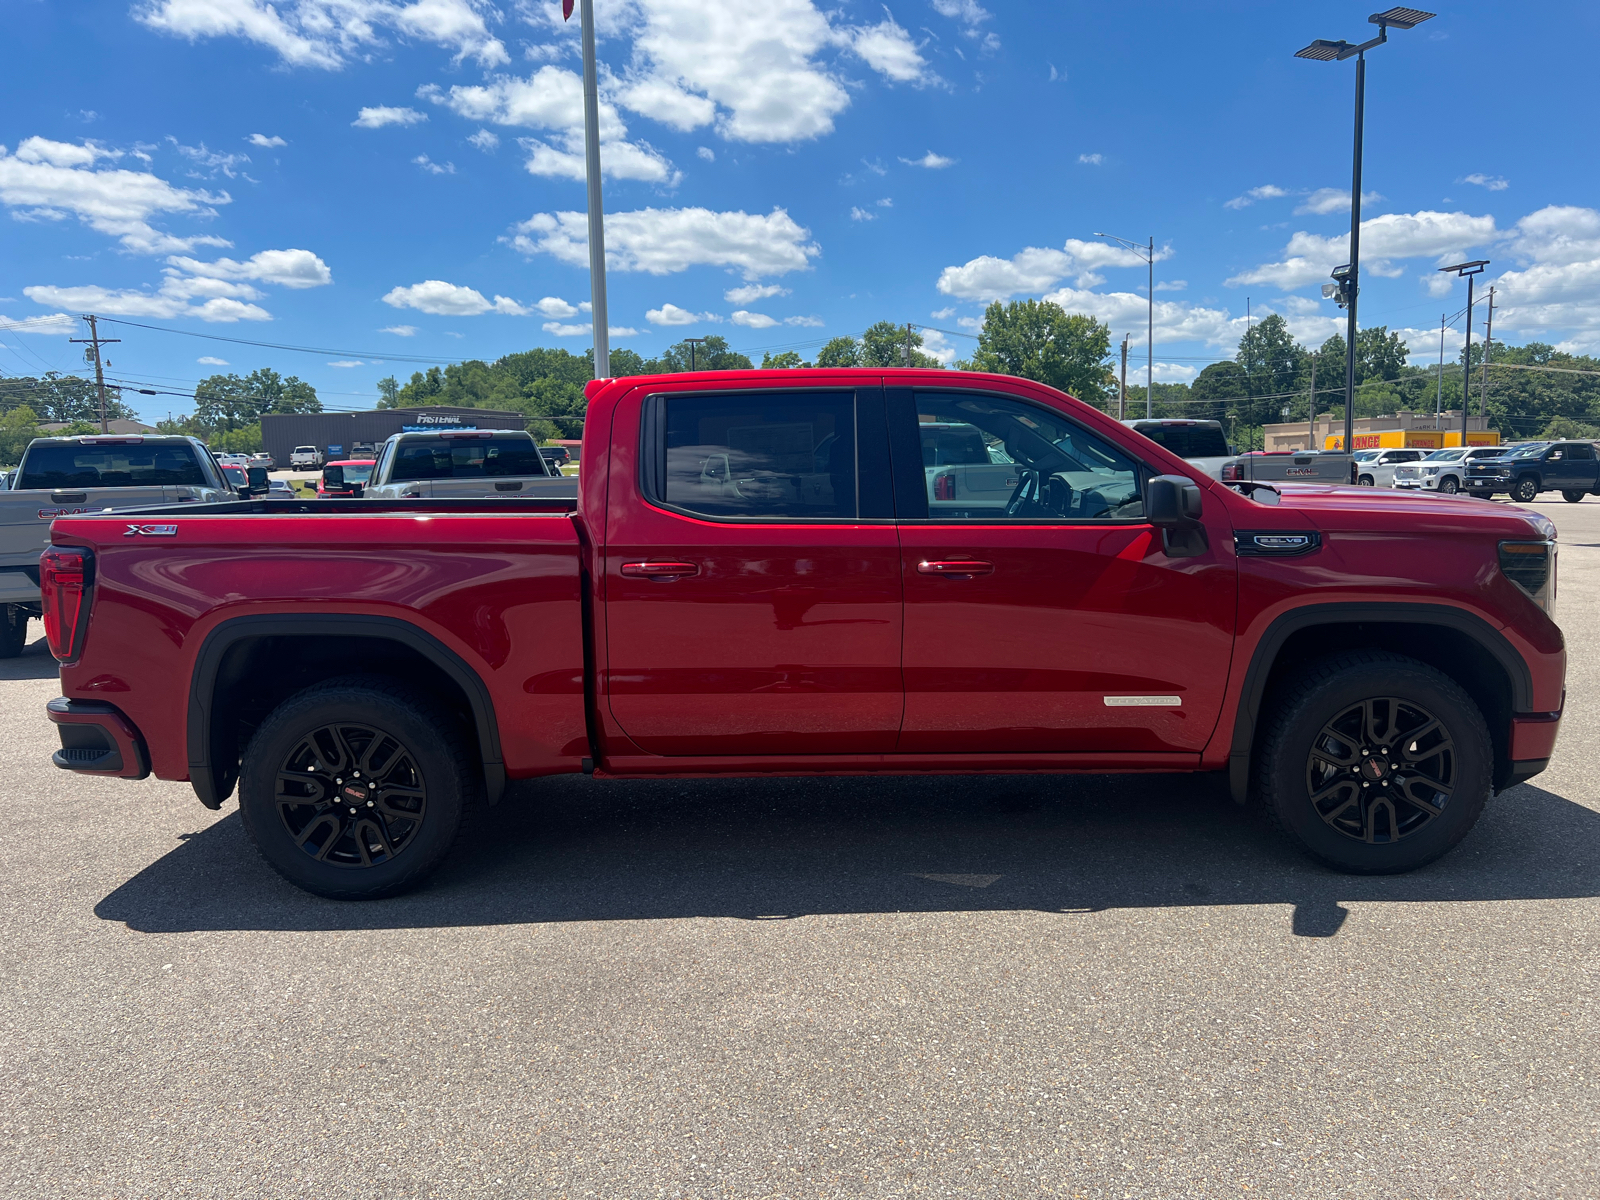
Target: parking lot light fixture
x,y
1470,270
1323,50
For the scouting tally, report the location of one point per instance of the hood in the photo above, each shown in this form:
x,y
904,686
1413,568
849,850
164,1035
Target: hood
x,y
1358,509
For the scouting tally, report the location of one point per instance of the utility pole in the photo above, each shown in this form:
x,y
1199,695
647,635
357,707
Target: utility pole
x,y
1438,400
1488,341
1150,337
907,351
94,341
597,220
692,343
1311,440
1122,394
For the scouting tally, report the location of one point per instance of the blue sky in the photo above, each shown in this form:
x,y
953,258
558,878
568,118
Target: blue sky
x,y
403,177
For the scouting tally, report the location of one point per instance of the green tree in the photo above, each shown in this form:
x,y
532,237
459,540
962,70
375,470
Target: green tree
x,y
1218,391
388,392
1379,354
18,427
626,362
1273,364
1038,339
886,344
228,402
787,360
712,354
840,352
57,397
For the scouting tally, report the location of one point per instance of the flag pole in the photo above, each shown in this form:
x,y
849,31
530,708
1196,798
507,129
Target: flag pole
x,y
597,231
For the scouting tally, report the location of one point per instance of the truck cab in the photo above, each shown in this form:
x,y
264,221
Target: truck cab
x,y
463,462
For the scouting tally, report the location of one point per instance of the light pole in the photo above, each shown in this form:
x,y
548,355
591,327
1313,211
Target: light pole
x,y
1146,251
597,220
1347,278
1471,270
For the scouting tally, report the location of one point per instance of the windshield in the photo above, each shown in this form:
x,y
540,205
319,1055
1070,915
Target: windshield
x,y
1444,455
1528,450
1187,441
74,465
1365,455
467,458
353,472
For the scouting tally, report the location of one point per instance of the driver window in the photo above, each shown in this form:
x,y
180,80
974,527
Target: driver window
x,y
991,459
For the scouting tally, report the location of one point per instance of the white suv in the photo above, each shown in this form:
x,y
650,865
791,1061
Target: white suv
x,y
1443,470
1376,468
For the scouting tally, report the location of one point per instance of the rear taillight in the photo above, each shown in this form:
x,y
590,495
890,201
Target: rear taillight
x,y
944,487
1232,472
65,576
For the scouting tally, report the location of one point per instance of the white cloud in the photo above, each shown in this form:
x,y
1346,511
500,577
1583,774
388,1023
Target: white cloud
x,y
433,168
1035,268
555,306
1267,191
1558,234
1557,292
1332,200
327,33
1175,321
265,142
805,322
210,159
400,330
380,115
937,345
1309,257
54,323
441,299
347,362
662,241
49,180
889,50
751,320
1495,183
210,361
1172,285
969,11
706,152
286,268
671,314
943,314
751,292
1092,160
584,330
861,214
930,160
486,140
168,302
1168,373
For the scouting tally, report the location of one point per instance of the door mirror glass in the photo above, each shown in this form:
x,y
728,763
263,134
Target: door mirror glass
x,y
333,477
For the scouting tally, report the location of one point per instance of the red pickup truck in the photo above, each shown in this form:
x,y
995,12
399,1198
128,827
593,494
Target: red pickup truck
x,y
759,576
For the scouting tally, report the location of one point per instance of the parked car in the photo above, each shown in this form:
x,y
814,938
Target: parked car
x,y
555,457
305,456
464,462
1376,468
1201,444
345,478
76,474
1567,467
1443,470
263,459
279,489
1290,466
1121,612
360,450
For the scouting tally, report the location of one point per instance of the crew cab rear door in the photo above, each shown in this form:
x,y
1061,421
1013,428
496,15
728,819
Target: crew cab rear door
x,y
1053,621
751,591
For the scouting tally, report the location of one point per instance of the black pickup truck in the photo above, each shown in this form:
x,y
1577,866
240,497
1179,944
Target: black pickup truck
x,y
1571,468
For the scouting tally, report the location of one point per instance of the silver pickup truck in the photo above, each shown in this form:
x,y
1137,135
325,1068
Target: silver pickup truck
x,y
92,473
463,462
1291,466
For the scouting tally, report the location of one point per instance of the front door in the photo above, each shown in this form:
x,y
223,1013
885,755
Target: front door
x,y
752,594
1050,619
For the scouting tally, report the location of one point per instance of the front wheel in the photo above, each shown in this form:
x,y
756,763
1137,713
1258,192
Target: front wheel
x,y
355,789
1449,486
1526,490
1375,763
1573,497
1367,481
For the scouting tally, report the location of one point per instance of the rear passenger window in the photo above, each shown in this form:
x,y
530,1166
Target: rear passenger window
x,y
770,455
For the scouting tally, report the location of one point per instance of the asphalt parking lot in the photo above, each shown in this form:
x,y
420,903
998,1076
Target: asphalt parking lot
x,y
1097,987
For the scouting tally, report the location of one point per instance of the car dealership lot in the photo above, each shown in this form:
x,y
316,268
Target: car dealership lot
x,y
963,985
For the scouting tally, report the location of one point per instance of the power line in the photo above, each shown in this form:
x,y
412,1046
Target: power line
x,y
215,337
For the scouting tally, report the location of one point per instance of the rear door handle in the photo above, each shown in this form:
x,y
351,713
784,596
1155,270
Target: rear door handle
x,y
659,572
960,568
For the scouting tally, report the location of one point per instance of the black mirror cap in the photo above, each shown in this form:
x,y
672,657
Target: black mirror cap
x,y
332,477
257,477
1171,501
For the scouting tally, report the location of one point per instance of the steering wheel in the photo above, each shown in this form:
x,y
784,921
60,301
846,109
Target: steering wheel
x,y
1025,476
1019,501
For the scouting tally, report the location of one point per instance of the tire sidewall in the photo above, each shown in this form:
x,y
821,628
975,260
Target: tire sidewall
x,y
415,727
1527,486
1453,487
1287,791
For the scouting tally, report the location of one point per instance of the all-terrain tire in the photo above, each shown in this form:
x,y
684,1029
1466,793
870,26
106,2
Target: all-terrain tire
x,y
1525,490
356,788
1573,497
1376,829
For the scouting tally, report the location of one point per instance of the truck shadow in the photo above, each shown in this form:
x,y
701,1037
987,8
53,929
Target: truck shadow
x,y
574,849
35,661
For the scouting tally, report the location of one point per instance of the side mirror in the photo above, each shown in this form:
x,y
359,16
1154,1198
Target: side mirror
x,y
333,477
255,482
357,491
1172,503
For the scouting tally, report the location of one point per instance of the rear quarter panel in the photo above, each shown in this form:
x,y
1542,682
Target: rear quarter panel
x,y
501,591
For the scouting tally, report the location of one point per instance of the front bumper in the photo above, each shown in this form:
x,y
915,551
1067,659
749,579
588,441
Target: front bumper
x,y
1533,741
96,739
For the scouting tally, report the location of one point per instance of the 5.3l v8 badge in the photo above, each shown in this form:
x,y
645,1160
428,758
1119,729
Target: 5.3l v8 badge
x,y
151,531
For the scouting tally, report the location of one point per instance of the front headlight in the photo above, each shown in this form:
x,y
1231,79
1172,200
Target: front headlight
x,y
1430,470
1532,567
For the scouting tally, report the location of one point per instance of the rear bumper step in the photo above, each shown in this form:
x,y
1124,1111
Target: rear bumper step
x,y
96,739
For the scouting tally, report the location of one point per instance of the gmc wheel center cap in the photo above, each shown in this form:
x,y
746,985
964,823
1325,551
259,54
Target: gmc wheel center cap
x,y
1374,768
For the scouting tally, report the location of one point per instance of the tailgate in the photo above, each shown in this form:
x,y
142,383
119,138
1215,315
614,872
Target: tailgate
x,y
25,516
533,486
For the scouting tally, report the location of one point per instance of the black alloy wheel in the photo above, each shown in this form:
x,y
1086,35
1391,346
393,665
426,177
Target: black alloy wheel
x,y
356,788
1573,497
1372,762
1449,485
1526,490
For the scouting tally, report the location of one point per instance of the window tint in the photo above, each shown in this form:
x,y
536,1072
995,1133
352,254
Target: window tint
x,y
72,466
772,454
1186,441
1578,450
466,458
1036,465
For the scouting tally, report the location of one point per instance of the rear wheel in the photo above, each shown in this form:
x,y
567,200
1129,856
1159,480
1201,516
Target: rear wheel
x,y
1449,485
13,630
1573,497
1375,763
355,789
1526,490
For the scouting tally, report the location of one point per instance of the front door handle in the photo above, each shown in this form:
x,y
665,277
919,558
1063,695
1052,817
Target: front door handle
x,y
960,568
659,572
